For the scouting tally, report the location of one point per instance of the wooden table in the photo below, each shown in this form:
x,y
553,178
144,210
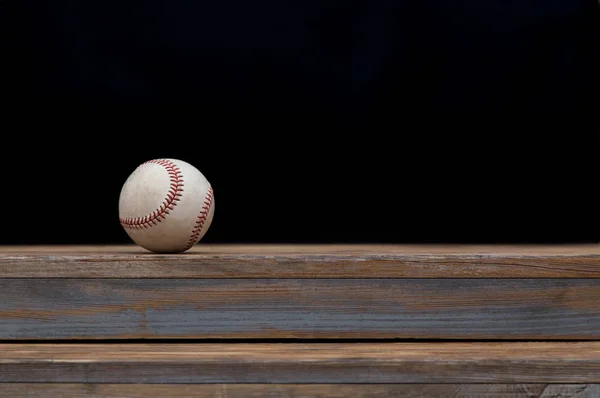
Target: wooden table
x,y
300,321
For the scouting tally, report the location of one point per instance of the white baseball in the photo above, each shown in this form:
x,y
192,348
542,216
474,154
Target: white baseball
x,y
166,205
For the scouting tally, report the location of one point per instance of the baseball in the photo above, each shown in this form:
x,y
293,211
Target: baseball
x,y
166,205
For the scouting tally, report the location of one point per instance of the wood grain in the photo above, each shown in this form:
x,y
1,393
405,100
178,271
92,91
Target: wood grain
x,y
560,362
295,308
304,261
69,390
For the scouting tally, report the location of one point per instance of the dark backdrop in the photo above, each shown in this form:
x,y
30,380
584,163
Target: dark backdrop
x,y
315,121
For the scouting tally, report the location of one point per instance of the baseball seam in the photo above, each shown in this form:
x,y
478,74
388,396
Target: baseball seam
x,y
201,219
173,196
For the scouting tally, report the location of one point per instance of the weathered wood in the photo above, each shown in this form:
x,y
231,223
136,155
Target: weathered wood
x,y
68,390
294,308
560,362
304,261
570,391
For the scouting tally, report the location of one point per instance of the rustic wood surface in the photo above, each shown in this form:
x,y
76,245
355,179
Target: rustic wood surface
x,y
301,291
304,261
293,308
323,363
68,390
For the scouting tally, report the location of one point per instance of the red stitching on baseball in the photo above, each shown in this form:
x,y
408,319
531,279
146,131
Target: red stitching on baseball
x,y
208,200
173,196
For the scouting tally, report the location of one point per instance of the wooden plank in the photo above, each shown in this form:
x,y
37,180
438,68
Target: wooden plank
x,y
296,308
324,363
69,390
304,261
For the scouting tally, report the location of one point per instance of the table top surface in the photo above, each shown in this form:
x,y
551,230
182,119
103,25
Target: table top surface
x,y
304,261
314,249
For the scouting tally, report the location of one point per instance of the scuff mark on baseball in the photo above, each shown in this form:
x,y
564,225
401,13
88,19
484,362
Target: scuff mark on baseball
x,y
166,205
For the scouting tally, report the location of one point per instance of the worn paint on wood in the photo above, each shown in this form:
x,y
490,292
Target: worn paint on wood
x,y
304,261
289,308
560,362
69,390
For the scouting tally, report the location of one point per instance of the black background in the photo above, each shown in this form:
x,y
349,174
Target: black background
x,y
329,121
